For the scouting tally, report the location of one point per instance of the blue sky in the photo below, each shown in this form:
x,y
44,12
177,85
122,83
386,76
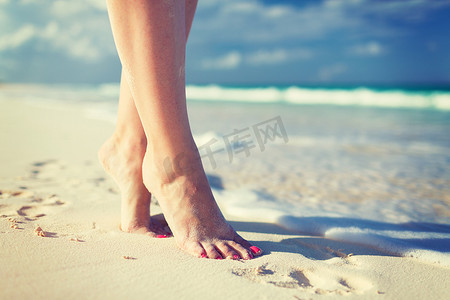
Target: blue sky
x,y
241,42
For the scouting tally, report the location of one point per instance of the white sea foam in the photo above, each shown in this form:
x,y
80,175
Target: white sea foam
x,y
316,96
400,227
219,93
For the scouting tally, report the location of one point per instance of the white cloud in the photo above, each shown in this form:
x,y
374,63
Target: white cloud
x,y
17,38
277,12
73,40
403,9
87,40
78,29
247,7
328,72
268,57
235,59
252,21
227,62
277,56
99,4
78,43
64,9
368,49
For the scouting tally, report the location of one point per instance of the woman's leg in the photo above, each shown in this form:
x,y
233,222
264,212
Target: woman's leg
x,y
150,39
122,154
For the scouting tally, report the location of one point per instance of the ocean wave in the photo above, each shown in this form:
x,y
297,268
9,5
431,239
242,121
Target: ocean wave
x,y
295,95
362,96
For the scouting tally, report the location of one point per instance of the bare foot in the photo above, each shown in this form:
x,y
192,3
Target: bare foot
x,y
123,161
188,204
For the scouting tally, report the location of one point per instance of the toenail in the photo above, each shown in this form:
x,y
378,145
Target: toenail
x,y
219,257
235,256
255,250
161,236
203,255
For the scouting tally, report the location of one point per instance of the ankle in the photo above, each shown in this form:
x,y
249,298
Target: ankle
x,y
185,165
129,144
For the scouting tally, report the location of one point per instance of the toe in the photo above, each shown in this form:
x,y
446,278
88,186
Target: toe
x,y
227,251
195,249
244,253
255,251
211,251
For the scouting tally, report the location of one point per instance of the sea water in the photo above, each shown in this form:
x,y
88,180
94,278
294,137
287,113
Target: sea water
x,y
362,165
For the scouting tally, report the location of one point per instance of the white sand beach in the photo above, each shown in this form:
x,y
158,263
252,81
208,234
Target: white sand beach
x,y
50,177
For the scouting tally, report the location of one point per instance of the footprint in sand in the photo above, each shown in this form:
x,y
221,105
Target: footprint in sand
x,y
5,194
45,170
19,208
264,274
26,204
312,281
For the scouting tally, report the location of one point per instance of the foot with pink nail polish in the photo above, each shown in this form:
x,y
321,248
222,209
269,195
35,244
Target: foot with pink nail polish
x,y
189,207
202,229
121,156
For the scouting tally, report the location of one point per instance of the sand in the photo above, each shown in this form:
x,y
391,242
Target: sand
x,y
50,178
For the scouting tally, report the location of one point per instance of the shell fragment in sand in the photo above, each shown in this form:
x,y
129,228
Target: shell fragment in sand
x,y
128,257
39,232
